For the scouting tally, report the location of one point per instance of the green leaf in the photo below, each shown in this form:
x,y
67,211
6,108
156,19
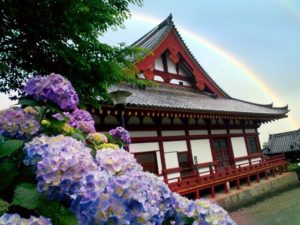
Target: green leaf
x,y
28,102
26,196
10,146
3,206
8,172
59,215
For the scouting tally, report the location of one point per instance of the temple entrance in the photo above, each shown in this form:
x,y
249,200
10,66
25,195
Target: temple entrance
x,y
184,163
221,153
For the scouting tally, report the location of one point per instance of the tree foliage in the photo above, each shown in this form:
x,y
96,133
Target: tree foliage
x,y
62,36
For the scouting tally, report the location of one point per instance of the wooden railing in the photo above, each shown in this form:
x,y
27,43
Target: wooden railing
x,y
196,181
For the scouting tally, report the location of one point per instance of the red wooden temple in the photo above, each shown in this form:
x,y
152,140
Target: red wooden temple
x,y
186,129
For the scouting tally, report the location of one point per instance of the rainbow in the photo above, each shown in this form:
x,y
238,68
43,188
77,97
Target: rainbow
x,y
242,67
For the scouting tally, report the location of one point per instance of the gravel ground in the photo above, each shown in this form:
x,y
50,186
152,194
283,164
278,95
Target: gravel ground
x,y
281,209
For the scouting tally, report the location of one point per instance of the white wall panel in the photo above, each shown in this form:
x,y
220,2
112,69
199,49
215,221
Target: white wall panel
x,y
143,147
250,131
176,81
255,160
244,162
171,160
198,132
201,149
175,146
171,66
173,175
218,132
148,133
158,159
236,131
159,64
158,78
239,147
172,133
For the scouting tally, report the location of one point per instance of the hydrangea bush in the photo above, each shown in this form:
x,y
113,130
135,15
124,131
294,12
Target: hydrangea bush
x,y
62,169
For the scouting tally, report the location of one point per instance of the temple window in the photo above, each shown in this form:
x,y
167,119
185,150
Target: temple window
x,y
252,145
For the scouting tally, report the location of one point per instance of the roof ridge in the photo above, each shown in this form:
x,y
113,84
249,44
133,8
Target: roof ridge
x,y
285,133
263,105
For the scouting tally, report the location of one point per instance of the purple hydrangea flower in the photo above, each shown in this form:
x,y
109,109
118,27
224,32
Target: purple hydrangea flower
x,y
53,87
120,134
80,119
16,123
15,219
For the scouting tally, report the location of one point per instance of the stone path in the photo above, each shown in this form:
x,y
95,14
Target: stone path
x,y
281,209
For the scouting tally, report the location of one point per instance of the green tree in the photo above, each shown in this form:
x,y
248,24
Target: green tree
x,y
62,36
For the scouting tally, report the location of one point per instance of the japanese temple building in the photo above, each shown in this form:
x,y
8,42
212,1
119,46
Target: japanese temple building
x,y
186,129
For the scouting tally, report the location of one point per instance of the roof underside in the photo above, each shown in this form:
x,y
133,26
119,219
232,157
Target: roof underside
x,y
185,99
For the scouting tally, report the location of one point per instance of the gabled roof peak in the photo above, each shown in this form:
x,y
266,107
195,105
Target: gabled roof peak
x,y
168,21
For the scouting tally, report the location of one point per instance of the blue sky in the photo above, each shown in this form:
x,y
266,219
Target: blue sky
x,y
261,35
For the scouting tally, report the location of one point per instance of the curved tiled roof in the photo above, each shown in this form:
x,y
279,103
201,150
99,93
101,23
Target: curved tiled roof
x,y
186,99
283,142
155,36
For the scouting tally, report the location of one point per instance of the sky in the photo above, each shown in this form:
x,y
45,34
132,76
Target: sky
x,y
250,48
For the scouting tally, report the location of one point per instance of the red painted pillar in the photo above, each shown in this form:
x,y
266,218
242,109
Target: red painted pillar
x,y
213,193
248,181
238,185
257,177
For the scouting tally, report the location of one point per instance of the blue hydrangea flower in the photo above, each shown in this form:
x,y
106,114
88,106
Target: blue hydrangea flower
x,y
16,123
120,134
15,219
116,162
54,88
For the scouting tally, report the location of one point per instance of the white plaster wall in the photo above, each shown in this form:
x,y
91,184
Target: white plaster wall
x,y
149,133
158,64
173,175
143,147
158,78
255,160
171,66
250,131
176,81
218,131
201,149
198,132
171,160
236,131
175,146
158,159
172,133
204,171
244,162
239,146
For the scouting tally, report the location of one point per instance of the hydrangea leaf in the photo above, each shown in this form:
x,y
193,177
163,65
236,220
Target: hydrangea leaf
x,y
26,196
3,206
8,171
10,146
59,215
28,102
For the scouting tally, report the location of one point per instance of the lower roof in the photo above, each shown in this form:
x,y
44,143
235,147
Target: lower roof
x,y
186,99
